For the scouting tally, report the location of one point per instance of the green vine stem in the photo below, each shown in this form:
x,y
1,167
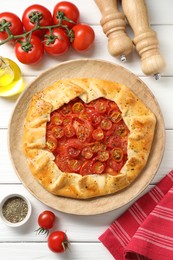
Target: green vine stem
x,y
35,17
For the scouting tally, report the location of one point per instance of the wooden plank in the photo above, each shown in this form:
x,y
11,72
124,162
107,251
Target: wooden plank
x,y
78,228
33,251
99,51
89,13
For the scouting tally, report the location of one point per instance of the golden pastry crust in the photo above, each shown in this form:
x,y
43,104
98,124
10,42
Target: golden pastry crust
x,y
138,118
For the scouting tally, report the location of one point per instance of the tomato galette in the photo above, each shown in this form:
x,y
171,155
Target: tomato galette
x,y
87,137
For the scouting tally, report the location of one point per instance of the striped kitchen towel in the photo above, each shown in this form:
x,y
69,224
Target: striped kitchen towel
x,y
145,230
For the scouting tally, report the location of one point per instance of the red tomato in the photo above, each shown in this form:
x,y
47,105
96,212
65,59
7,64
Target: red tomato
x,y
34,12
58,241
15,24
67,9
117,154
98,134
57,42
83,37
51,143
98,167
45,220
33,54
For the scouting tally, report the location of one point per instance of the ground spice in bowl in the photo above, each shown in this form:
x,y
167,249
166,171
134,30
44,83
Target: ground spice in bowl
x,y
15,210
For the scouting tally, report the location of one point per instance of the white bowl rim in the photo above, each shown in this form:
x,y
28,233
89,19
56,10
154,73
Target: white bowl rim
x,y
18,224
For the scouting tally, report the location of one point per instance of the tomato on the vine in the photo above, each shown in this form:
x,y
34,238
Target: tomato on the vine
x,y
56,42
14,24
45,221
35,13
58,241
29,52
83,37
67,11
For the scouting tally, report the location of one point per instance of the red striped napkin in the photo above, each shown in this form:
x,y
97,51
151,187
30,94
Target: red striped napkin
x,y
145,230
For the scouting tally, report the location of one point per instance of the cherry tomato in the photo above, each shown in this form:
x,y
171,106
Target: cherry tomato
x,y
86,168
115,117
106,124
77,107
117,154
15,24
69,130
103,156
67,9
34,12
73,152
56,42
56,118
98,134
33,54
83,37
87,153
51,143
74,165
58,241
98,167
45,221
57,132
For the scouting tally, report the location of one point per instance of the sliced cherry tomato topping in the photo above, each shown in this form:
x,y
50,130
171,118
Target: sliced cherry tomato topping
x,y
122,130
77,107
74,165
56,119
117,154
113,141
51,143
65,109
103,156
97,146
106,124
87,153
95,119
62,164
98,167
98,134
73,152
116,117
58,131
101,105
86,168
82,131
69,130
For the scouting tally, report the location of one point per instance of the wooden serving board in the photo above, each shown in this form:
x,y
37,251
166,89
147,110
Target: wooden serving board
x,y
96,69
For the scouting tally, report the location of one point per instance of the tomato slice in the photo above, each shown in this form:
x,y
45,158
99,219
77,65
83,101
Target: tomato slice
x,y
73,152
86,168
82,131
113,141
74,165
56,119
97,146
117,154
77,107
103,156
98,134
57,131
122,130
87,153
69,130
65,109
106,124
51,143
115,117
101,105
98,167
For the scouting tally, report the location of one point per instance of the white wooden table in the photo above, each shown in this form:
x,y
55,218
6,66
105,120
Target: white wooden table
x,y
83,231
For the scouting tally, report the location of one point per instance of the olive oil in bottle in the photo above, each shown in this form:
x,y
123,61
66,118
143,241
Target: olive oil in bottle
x,y
11,82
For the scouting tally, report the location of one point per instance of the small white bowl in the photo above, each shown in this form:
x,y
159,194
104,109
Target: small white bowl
x,y
20,223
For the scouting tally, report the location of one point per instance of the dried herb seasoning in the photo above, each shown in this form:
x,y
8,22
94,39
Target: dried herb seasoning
x,y
15,209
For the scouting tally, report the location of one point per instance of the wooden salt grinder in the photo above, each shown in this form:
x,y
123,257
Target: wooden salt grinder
x,y
147,45
114,26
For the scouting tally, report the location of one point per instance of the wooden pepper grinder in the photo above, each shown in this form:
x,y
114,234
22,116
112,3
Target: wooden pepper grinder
x,y
145,39
114,26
